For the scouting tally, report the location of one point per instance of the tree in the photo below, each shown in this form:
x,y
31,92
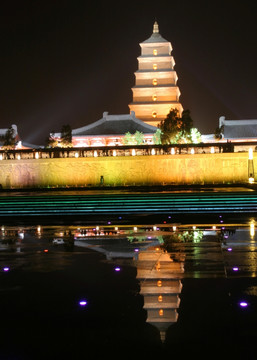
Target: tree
x,y
66,136
9,139
157,137
136,139
176,129
128,139
51,141
139,137
170,127
219,131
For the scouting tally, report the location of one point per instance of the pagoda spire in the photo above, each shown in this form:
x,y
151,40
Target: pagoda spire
x,y
155,28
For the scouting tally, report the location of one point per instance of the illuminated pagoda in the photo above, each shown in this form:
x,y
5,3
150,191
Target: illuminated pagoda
x,y
155,92
110,130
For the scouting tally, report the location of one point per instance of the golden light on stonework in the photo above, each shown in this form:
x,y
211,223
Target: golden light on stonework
x,y
161,312
154,97
155,66
154,114
154,82
155,52
160,298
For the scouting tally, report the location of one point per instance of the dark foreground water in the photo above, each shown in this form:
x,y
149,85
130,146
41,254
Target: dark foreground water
x,y
116,272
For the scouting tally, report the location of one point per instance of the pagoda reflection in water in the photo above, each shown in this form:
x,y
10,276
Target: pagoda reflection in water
x,y
160,284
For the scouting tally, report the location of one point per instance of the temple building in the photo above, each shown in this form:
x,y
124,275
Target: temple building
x,y
110,130
238,130
155,92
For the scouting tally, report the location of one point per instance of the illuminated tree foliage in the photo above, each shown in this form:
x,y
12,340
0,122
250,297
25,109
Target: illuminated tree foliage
x,y
9,139
66,136
136,139
176,129
51,141
157,137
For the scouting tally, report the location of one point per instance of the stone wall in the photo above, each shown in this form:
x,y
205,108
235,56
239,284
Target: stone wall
x,y
126,170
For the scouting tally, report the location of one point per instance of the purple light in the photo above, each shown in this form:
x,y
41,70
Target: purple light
x,y
136,250
6,268
243,304
109,222
229,249
82,303
235,268
117,269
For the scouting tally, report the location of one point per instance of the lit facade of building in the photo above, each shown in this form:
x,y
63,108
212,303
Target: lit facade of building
x,y
155,92
110,131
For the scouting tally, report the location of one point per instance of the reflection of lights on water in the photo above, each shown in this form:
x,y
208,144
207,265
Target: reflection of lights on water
x,y
252,229
243,304
83,303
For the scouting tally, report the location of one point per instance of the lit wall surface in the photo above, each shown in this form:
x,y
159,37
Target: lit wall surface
x,y
126,170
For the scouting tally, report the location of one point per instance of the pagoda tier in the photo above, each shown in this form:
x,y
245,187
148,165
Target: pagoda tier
x,y
155,92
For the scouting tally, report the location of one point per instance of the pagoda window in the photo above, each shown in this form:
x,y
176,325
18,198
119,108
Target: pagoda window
x,y
154,97
154,114
155,52
154,82
155,66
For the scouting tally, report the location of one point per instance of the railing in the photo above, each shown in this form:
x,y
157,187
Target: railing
x,y
131,150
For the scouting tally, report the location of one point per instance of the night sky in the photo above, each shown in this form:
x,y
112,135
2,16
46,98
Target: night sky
x,y
66,62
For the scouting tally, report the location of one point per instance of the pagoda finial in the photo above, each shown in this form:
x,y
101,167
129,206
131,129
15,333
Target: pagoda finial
x,y
155,28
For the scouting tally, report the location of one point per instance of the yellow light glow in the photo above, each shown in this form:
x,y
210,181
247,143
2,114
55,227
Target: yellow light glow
x,y
135,228
252,229
114,153
174,228
133,152
155,66
1,157
161,312
160,298
250,154
36,155
251,180
153,151
212,150
154,228
154,114
192,151
154,97
214,227
155,52
95,153
172,151
159,283
154,82
18,157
